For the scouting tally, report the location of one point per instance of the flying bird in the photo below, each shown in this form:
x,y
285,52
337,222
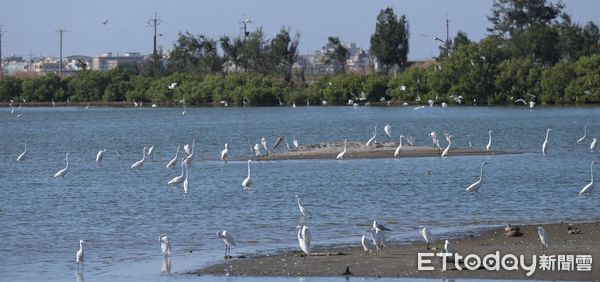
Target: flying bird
x,y
105,22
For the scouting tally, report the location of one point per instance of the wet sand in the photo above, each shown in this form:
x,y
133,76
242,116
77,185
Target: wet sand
x,y
400,260
358,150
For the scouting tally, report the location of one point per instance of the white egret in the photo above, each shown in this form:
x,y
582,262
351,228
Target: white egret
x,y
151,152
173,161
256,150
488,147
380,226
62,172
79,256
593,145
186,183
378,238
188,160
246,182
295,142
544,238
224,153
304,239
172,85
303,210
340,156
584,134
388,130
165,246
22,155
100,155
545,144
372,138
140,162
521,100
444,105
178,179
445,152
397,151
475,186
419,107
427,236
365,244
228,240
265,145
186,148
590,186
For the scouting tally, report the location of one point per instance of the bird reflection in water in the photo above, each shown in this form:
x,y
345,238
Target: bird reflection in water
x,y
80,277
166,265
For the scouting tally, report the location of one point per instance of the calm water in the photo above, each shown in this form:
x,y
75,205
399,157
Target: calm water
x,y
121,212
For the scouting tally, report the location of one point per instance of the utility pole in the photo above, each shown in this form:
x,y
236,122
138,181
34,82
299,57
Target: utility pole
x,y
245,22
1,66
154,22
60,63
447,28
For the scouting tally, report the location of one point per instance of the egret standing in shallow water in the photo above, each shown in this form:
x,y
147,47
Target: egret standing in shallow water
x,y
593,145
590,186
178,179
62,172
225,153
22,155
584,134
340,156
427,236
545,144
79,256
151,152
488,147
303,210
475,186
173,161
445,152
165,246
304,239
188,160
186,183
100,155
228,240
544,238
388,130
246,182
140,162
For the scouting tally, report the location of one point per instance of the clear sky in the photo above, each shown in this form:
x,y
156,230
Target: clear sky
x,y
30,25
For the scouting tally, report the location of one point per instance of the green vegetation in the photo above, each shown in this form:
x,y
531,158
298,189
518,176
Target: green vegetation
x,y
534,52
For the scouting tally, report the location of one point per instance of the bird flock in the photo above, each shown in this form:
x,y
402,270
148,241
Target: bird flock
x,y
377,232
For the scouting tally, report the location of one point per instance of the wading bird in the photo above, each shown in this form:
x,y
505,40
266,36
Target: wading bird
x,y
263,141
165,246
178,179
140,162
378,238
590,186
173,161
397,151
545,144
593,145
224,153
228,240
62,172
256,150
445,152
303,210
372,138
388,130
186,183
544,238
340,156
427,236
246,182
304,239
22,155
365,244
295,142
449,249
488,147
79,256
100,155
475,186
188,160
584,134
151,152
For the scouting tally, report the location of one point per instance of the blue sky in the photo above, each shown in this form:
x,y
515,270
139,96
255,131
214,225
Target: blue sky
x,y
30,25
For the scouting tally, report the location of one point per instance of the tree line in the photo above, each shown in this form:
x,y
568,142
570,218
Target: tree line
x,y
533,51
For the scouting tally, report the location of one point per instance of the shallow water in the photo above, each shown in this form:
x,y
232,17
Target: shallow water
x,y
121,212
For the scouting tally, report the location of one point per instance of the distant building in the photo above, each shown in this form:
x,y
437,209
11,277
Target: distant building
x,y
358,61
106,61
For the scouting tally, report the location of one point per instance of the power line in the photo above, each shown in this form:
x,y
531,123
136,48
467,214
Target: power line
x,y
60,63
